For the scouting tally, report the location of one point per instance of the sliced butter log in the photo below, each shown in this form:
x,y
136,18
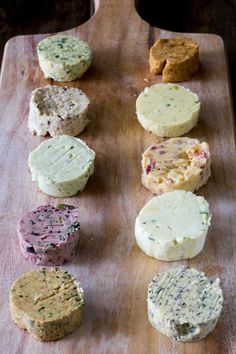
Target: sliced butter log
x,y
167,110
176,58
62,165
47,303
63,58
184,304
58,110
177,163
163,230
49,235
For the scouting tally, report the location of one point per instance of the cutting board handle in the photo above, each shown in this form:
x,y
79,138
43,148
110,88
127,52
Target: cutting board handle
x,y
108,10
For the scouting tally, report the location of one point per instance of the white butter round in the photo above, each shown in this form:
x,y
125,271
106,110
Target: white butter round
x,y
167,110
62,165
173,226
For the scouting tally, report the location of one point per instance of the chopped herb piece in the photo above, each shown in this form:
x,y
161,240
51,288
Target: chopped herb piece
x,y
32,322
61,206
41,308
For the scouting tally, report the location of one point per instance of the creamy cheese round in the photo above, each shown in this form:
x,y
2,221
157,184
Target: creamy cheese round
x,y
177,163
56,110
184,304
63,58
173,226
47,303
62,165
167,110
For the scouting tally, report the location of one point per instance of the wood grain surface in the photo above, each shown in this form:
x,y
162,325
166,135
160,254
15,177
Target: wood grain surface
x,y
112,270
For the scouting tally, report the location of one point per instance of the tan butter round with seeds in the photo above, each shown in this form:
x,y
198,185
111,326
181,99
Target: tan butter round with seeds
x,y
47,303
56,110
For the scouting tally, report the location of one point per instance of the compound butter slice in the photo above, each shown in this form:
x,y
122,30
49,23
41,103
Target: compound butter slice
x,y
167,110
176,58
58,110
62,165
63,58
173,226
49,235
177,163
184,304
47,303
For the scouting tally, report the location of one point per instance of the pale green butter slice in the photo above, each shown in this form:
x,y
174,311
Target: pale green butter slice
x,y
62,165
167,110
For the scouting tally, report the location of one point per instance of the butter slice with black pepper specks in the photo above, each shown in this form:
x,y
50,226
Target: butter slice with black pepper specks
x,y
184,304
62,165
47,303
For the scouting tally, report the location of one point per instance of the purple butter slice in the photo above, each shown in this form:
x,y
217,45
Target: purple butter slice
x,y
49,235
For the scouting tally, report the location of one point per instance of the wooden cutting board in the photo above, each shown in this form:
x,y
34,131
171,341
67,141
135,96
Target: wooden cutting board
x,y
113,271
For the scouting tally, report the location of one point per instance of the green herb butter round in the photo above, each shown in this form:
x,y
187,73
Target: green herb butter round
x,y
62,165
63,58
173,226
184,304
47,303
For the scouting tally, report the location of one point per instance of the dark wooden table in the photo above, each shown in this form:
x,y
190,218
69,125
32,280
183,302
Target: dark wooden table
x,y
48,16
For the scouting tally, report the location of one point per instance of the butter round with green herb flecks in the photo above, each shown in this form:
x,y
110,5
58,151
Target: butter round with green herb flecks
x,y
62,165
184,304
177,163
47,303
167,110
173,226
49,235
63,58
58,110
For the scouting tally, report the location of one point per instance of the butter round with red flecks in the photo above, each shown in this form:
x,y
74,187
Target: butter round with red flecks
x,y
49,235
177,163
